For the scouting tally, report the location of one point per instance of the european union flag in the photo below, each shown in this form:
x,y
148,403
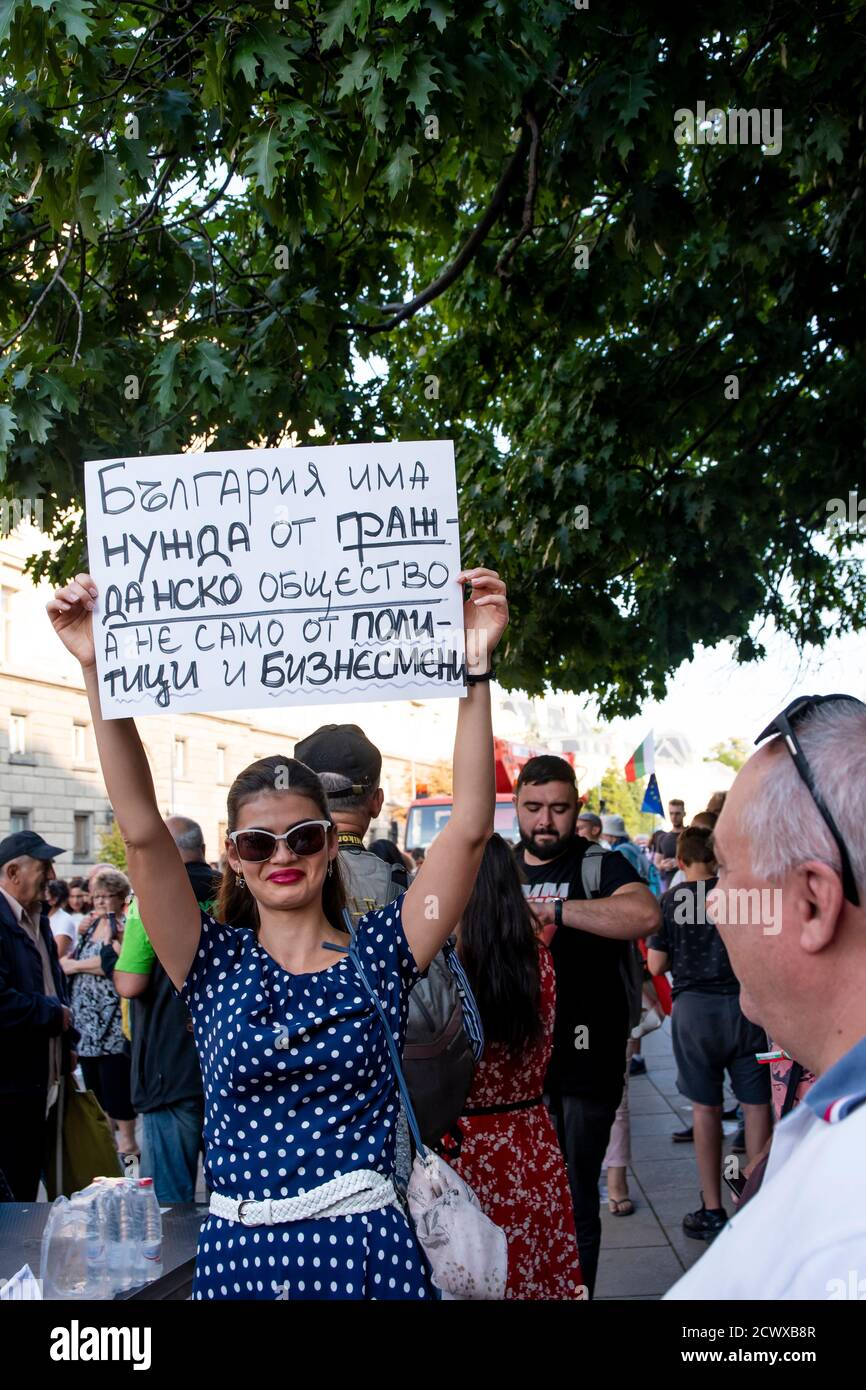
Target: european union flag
x,y
652,798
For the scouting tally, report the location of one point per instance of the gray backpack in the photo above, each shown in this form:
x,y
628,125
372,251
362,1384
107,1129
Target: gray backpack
x,y
370,882
631,960
438,1060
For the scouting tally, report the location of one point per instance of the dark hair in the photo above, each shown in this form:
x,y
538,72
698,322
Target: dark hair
x,y
77,882
716,802
676,801
57,892
694,846
499,949
704,820
546,768
235,904
387,850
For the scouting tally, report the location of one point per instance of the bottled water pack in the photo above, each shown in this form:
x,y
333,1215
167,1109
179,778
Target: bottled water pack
x,y
102,1240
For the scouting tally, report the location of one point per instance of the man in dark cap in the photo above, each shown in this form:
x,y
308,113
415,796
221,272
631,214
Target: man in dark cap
x,y
36,1033
349,767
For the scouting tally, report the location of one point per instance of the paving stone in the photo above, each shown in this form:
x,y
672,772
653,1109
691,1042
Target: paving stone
x,y
645,1254
639,1272
640,1229
654,1122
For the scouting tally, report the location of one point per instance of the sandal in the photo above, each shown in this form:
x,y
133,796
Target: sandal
x,y
620,1206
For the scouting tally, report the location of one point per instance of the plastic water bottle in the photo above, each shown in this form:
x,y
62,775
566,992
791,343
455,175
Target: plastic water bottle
x,y
121,1223
149,1230
98,1281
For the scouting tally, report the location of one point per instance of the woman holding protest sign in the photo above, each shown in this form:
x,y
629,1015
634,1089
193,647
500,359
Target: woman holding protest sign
x,y
300,1095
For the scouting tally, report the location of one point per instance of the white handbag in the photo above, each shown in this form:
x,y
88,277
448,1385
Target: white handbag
x,y
466,1251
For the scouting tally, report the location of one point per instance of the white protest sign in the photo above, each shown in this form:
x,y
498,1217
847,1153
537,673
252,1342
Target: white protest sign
x,y
259,577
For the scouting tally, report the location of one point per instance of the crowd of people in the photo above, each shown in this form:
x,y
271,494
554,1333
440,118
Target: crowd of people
x,y
209,1002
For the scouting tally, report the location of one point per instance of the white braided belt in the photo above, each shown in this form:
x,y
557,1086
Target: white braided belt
x,y
360,1191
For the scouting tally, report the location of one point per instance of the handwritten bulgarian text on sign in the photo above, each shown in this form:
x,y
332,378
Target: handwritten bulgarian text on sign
x,y
234,580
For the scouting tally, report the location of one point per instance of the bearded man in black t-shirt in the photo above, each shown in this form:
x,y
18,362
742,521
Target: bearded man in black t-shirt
x,y
585,1078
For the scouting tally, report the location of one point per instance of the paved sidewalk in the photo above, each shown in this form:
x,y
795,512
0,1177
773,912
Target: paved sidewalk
x,y
644,1254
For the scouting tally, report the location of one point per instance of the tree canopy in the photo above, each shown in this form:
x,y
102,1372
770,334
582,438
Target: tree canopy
x,y
409,220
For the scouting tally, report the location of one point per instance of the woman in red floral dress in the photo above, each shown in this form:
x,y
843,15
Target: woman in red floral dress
x,y
508,1152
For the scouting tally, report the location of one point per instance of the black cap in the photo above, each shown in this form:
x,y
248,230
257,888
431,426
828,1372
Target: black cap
x,y
27,842
345,750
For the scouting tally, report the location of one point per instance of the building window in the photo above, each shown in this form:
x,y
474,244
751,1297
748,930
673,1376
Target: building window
x,y
79,743
17,733
5,622
221,765
18,820
222,827
180,757
83,832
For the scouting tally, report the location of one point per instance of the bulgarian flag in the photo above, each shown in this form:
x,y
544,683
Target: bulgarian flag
x,y
642,760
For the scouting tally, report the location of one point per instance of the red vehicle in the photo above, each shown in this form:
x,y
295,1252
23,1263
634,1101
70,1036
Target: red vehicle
x,y
427,814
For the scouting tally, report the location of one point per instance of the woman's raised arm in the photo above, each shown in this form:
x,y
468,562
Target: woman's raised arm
x,y
438,894
167,904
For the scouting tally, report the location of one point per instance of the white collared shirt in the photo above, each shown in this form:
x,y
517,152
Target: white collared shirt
x,y
803,1235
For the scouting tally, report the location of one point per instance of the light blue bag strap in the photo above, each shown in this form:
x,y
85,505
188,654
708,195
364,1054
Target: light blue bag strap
x,y
352,952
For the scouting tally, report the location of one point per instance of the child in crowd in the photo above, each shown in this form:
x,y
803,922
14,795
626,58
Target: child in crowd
x,y
711,1035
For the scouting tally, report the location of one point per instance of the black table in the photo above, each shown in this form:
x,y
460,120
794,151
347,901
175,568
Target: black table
x,y
22,1224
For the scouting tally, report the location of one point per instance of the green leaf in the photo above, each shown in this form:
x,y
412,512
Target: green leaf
x,y
352,77
107,189
420,84
317,149
61,394
278,60
337,19
262,42
827,138
245,59
33,418
164,369
638,89
213,85
375,106
399,171
210,363
73,16
8,428
134,155
400,8
439,13
393,60
7,14
262,159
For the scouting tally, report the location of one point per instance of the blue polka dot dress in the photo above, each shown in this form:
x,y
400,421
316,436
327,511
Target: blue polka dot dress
x,y
299,1088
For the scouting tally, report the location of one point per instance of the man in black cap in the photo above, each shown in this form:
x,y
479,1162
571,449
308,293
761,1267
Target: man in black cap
x,y
349,767
36,1033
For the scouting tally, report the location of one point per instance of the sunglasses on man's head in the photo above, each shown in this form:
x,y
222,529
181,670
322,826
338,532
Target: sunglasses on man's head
x,y
784,724
257,846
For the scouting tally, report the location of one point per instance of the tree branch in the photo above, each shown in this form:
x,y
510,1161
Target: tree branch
x,y
469,250
529,203
30,317
74,297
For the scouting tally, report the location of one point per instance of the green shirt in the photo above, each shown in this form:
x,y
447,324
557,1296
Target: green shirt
x,y
136,954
